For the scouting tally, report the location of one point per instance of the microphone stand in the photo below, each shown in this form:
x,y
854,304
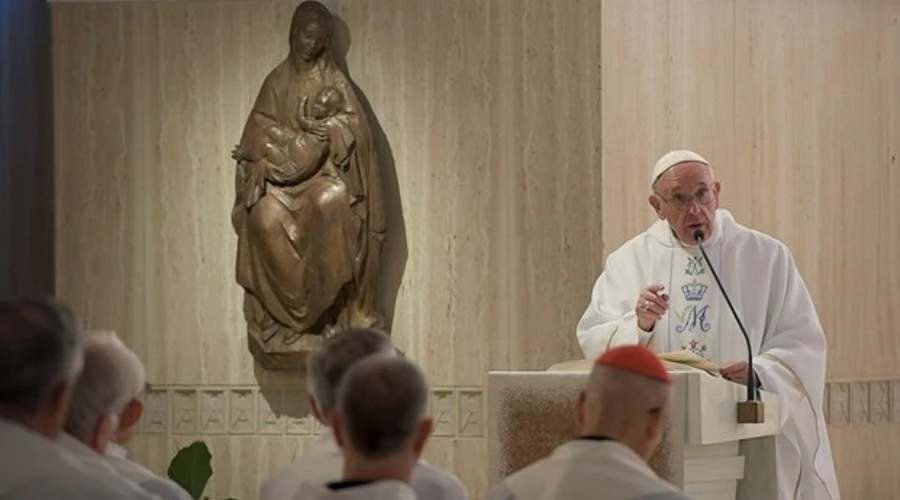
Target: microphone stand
x,y
751,411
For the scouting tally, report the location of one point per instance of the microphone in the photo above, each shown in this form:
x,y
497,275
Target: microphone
x,y
752,410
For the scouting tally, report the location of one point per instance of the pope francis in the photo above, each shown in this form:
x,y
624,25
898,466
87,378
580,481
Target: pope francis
x,y
656,290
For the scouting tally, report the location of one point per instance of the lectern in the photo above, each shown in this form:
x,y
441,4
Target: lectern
x,y
704,451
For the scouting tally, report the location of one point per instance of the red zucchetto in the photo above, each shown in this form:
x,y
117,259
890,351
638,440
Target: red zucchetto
x,y
636,359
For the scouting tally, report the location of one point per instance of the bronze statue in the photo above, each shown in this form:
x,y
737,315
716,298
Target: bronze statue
x,y
308,208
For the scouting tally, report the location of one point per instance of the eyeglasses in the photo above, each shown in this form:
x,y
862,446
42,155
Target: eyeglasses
x,y
683,201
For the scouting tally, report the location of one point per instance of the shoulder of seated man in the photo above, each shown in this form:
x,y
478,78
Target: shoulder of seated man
x,y
165,489
427,474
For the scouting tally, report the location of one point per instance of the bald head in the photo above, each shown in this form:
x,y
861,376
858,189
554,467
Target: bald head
x,y
381,407
327,365
620,395
40,348
626,398
112,376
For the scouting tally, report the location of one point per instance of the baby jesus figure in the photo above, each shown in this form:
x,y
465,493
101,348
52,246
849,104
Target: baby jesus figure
x,y
283,157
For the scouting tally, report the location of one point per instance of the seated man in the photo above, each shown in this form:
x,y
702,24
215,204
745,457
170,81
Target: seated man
x,y
40,359
621,412
326,367
105,406
381,426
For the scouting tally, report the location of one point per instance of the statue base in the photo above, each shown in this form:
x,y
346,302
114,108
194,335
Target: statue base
x,y
277,355
276,348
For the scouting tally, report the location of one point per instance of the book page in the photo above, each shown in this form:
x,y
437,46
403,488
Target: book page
x,y
674,361
688,358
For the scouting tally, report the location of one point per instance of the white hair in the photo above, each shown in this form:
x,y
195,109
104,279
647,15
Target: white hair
x,y
331,360
112,376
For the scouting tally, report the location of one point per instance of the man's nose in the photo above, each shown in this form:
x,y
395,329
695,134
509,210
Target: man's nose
x,y
693,206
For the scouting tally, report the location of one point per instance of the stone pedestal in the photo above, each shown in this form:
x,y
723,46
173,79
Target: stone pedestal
x,y
277,355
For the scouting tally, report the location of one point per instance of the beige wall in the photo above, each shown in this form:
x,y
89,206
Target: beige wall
x,y
521,133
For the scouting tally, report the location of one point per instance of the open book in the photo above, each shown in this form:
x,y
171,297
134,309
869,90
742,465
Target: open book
x,y
677,360
674,361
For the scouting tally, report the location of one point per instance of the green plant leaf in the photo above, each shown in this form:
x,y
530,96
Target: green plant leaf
x,y
191,468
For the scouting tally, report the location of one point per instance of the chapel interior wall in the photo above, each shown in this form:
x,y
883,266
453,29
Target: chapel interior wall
x,y
521,133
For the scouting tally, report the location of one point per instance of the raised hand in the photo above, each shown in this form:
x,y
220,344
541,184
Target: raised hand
x,y
650,306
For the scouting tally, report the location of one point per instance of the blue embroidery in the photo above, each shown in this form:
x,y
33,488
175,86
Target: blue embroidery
x,y
692,318
695,266
694,291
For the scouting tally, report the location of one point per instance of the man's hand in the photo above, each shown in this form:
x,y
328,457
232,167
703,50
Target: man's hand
x,y
736,372
651,305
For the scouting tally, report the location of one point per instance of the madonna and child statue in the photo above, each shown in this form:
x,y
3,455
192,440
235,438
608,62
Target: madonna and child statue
x,y
308,208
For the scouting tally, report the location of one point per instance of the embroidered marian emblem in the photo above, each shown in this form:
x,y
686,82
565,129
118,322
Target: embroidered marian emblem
x,y
695,266
692,318
694,291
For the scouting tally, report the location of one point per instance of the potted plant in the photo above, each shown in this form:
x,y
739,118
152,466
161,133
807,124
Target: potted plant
x,y
191,469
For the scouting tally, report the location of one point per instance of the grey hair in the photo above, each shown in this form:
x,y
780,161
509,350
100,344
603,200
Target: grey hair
x,y
382,401
113,375
331,360
40,348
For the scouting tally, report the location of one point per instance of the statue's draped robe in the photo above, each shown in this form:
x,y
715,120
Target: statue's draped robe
x,y
313,239
775,306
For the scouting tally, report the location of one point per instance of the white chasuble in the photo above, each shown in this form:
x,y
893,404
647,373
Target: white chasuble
x,y
767,291
590,469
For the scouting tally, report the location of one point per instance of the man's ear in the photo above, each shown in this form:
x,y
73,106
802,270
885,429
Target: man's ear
x,y
131,415
314,406
60,404
335,421
580,410
422,434
654,425
656,204
103,433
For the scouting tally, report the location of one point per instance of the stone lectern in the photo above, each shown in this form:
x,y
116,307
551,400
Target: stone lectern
x,y
704,451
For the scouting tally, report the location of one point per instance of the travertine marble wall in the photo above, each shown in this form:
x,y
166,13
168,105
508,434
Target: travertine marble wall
x,y
521,133
492,147
796,104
